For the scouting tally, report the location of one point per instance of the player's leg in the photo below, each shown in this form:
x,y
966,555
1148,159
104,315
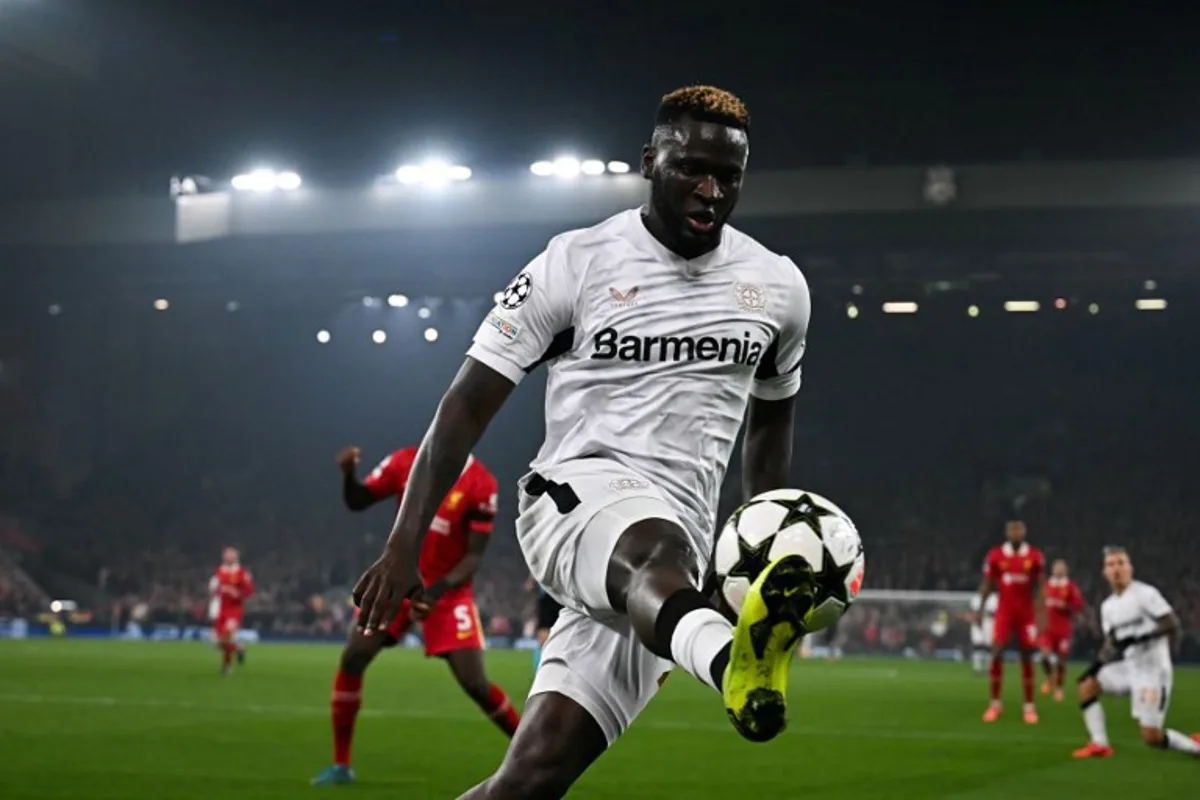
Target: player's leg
x,y
467,668
1089,691
653,574
357,654
1001,636
1063,652
595,678
555,744
1045,645
1027,646
226,634
1151,698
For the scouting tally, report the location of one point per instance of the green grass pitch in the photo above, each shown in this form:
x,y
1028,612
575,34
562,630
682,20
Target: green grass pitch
x,y
134,720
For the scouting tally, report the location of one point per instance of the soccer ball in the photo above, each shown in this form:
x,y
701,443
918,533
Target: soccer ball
x,y
785,522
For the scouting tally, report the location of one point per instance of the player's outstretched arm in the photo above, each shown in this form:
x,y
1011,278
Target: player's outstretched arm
x,y
475,396
355,493
767,447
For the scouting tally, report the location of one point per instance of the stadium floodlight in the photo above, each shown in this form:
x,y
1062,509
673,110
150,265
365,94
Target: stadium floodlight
x,y
1150,285
434,172
566,167
1021,306
592,166
431,334
1094,309
161,304
851,311
397,300
972,311
424,313
370,302
1060,303
55,309
618,167
232,306
323,337
266,180
902,307
1151,304
379,337
543,169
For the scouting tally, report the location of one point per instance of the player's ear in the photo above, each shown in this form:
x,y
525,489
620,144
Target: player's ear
x,y
647,160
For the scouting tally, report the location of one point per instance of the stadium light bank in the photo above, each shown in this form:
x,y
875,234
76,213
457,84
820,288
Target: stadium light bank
x,y
572,167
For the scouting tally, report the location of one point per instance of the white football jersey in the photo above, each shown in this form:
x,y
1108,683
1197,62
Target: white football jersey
x,y
989,608
652,358
1133,612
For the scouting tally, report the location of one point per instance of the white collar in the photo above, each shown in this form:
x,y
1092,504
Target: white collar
x,y
1010,551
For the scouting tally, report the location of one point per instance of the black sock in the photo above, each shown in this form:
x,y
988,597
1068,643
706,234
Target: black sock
x,y
719,663
676,607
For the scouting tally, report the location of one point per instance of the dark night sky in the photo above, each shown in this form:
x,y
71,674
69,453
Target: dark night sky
x,y
344,90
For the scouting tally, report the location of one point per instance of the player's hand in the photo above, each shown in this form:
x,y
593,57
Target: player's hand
x,y
348,458
977,618
382,589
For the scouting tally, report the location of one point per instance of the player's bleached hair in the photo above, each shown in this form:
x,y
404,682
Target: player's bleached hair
x,y
704,104
1115,550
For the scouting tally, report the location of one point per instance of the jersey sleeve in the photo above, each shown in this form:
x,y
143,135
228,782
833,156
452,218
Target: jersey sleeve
x,y
1153,602
247,583
533,321
390,476
990,571
480,515
778,374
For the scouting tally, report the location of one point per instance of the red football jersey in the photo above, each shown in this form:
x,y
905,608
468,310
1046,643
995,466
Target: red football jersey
x,y
469,507
1063,600
1015,572
231,586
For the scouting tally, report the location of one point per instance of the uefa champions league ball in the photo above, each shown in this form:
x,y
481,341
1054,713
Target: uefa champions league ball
x,y
792,522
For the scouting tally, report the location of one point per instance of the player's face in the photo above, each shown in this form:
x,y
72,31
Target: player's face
x,y
1118,570
229,556
1060,569
1014,532
695,171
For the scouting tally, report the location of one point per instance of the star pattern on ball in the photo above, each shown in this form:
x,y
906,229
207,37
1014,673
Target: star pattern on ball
x,y
751,560
832,579
517,292
806,511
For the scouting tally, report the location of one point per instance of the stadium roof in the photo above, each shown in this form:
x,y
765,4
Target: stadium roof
x,y
914,195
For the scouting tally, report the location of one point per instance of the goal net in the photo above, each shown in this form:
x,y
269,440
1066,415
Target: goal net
x,y
900,624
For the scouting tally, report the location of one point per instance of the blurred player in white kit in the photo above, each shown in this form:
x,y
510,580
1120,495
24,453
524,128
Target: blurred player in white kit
x,y
982,617
1135,660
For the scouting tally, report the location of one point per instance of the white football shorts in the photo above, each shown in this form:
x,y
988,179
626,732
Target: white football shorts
x,y
1149,691
569,521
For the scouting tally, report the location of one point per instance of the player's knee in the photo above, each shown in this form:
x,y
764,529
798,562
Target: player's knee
x,y
650,552
356,657
1088,690
1154,737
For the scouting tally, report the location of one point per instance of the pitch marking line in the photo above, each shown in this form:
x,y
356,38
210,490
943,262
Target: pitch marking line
x,y
1030,738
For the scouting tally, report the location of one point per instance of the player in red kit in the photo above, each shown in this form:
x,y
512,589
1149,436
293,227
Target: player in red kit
x,y
230,586
1016,570
1063,602
445,606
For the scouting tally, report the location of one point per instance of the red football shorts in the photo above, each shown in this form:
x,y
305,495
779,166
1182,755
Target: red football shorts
x,y
227,623
1057,639
452,624
1018,625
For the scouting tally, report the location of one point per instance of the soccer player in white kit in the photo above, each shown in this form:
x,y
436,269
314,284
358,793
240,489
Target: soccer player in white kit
x,y
1137,622
982,616
662,329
